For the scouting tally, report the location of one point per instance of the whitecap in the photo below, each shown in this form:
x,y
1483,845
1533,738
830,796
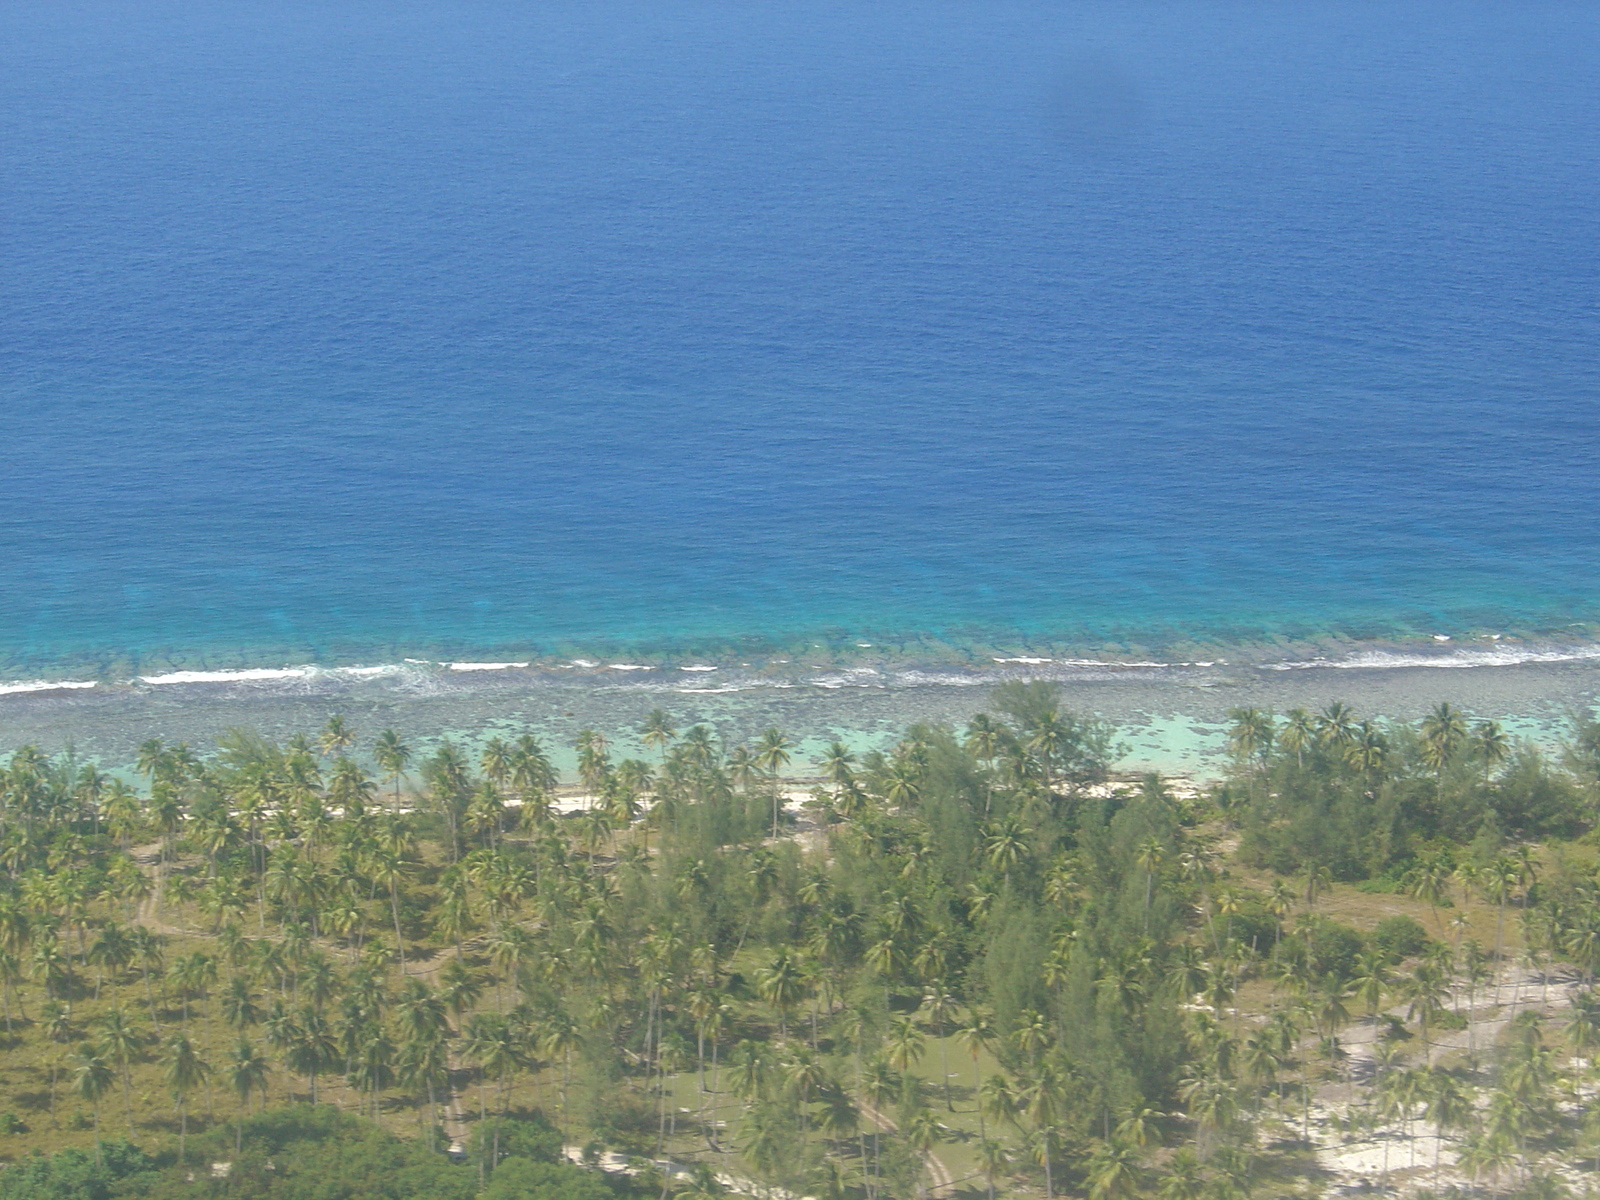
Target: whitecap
x,y
584,662
625,667
248,675
1096,662
941,679
1100,662
44,685
486,666
697,668
1381,660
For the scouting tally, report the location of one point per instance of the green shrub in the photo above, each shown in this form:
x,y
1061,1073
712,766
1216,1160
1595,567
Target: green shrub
x,y
123,1170
524,1135
1323,947
1400,937
525,1179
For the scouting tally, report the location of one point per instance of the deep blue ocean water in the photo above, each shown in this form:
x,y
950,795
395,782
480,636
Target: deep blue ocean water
x,y
340,331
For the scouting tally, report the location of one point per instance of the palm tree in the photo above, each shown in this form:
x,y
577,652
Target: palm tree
x,y
1336,727
658,731
247,1072
1113,1172
372,1065
1372,981
1005,844
1430,880
492,1045
993,1159
423,1064
1369,751
149,950
1490,746
336,736
772,755
1041,1097
977,1034
91,1077
593,763
1448,1107
1251,733
386,867
111,951
185,1071
495,762
1184,1179
1318,879
310,1049
923,1130
1443,731
1426,989
533,778
781,983
1298,733
906,1044
1498,881
121,1042
239,1007
1149,855
1049,735
392,755
940,1006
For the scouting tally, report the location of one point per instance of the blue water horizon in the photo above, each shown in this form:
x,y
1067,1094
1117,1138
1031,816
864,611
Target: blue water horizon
x,y
346,332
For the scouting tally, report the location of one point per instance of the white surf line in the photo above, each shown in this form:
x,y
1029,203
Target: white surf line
x,y
1378,660
44,685
248,675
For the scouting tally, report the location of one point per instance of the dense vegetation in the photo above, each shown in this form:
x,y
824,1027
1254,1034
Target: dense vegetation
x,y
974,960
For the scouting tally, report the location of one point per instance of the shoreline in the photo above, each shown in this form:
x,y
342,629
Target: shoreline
x,y
1169,714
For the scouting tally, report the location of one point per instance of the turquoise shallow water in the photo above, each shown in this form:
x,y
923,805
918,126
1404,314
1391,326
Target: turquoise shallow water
x,y
347,332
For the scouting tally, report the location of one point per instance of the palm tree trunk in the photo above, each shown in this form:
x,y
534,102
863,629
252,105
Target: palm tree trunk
x,y
399,938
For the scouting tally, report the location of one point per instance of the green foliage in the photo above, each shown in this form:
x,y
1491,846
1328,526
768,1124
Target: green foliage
x,y
1533,799
122,1170
306,1153
525,1179
1325,946
525,1135
1399,937
661,962
1356,798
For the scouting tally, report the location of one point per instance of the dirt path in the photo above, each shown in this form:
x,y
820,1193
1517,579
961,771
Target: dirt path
x,y
942,1179
148,859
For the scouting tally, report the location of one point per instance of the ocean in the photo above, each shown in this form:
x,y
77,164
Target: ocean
x,y
701,334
